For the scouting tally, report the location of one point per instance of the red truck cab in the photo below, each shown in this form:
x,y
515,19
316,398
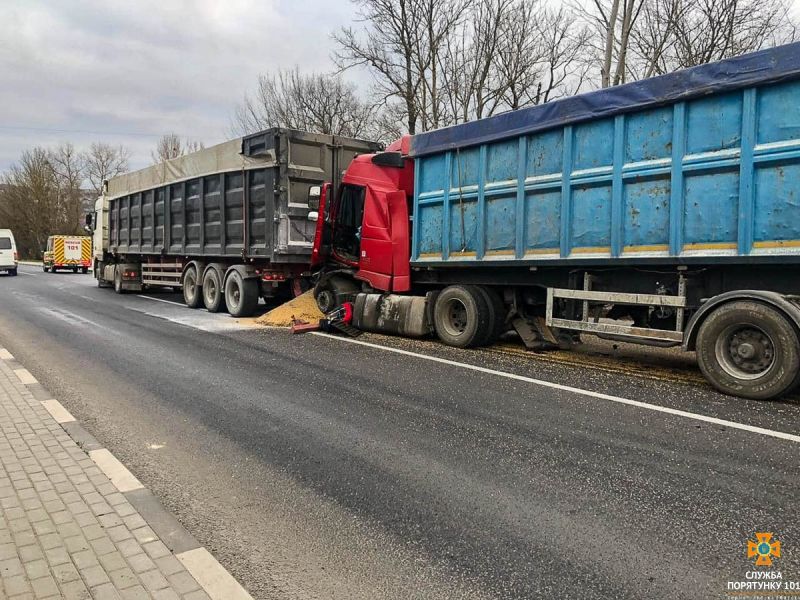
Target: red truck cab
x,y
364,228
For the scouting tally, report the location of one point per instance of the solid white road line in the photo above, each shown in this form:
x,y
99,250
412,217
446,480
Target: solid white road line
x,y
574,390
115,470
5,354
215,579
161,300
57,411
25,376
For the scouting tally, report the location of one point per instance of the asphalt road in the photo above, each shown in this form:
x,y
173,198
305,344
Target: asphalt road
x,y
315,467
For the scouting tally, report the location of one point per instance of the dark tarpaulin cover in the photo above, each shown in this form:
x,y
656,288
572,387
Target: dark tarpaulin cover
x,y
766,66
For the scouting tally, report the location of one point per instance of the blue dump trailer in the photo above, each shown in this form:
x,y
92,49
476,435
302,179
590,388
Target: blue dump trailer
x,y
663,212
697,167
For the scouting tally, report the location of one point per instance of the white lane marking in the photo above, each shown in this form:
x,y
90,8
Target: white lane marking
x,y
574,390
161,300
215,579
5,354
57,411
25,273
25,376
123,479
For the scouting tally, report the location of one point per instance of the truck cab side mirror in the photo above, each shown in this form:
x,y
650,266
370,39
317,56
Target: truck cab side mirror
x,y
88,223
314,193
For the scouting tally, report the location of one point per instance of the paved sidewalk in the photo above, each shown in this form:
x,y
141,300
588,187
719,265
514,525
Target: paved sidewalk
x,y
66,531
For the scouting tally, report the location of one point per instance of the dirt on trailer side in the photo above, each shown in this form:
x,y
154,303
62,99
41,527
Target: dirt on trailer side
x,y
304,308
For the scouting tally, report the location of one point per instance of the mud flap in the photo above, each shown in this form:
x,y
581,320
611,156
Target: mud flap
x,y
535,333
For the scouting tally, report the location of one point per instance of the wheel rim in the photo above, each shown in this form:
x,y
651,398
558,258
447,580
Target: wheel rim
x,y
325,301
190,283
235,294
211,290
455,317
745,351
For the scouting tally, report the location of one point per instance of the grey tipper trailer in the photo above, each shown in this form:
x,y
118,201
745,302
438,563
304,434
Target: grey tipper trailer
x,y
227,224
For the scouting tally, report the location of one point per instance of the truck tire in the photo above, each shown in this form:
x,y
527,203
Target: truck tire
x,y
461,316
192,294
84,270
749,349
241,295
44,268
328,292
12,272
99,272
118,280
497,315
213,294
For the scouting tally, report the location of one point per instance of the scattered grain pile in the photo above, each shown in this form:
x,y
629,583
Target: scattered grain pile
x,y
304,307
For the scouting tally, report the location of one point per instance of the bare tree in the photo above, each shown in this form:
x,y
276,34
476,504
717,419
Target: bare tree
x,y
475,84
543,54
676,34
30,203
440,62
171,145
400,44
314,102
613,22
635,39
104,161
68,168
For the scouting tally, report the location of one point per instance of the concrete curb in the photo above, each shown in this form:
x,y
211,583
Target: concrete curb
x,y
212,577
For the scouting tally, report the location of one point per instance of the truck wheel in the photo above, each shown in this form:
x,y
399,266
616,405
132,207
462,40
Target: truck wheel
x,y
213,295
749,349
84,270
241,295
325,297
497,315
328,291
12,272
191,289
44,268
461,316
118,281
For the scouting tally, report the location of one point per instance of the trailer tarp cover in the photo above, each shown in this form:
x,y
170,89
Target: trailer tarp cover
x,y
766,66
209,161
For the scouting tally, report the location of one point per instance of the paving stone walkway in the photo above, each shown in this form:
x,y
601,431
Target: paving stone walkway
x,y
66,531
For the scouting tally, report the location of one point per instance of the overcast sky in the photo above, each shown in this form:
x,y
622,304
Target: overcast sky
x,y
127,71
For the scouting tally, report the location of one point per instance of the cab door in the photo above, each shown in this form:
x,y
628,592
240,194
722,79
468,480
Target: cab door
x,y
376,241
347,216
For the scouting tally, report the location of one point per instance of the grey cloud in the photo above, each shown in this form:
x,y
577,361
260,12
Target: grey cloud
x,y
146,67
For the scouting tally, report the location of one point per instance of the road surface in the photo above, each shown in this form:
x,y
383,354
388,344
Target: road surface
x,y
315,467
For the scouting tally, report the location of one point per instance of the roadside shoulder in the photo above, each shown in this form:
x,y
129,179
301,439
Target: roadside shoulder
x,y
71,502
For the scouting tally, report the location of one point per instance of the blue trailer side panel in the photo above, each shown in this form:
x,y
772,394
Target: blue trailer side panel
x,y
713,176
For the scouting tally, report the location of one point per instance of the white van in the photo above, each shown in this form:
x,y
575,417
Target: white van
x,y
8,252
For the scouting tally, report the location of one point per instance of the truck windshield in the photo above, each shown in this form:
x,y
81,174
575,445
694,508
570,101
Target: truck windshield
x,y
5,243
347,225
